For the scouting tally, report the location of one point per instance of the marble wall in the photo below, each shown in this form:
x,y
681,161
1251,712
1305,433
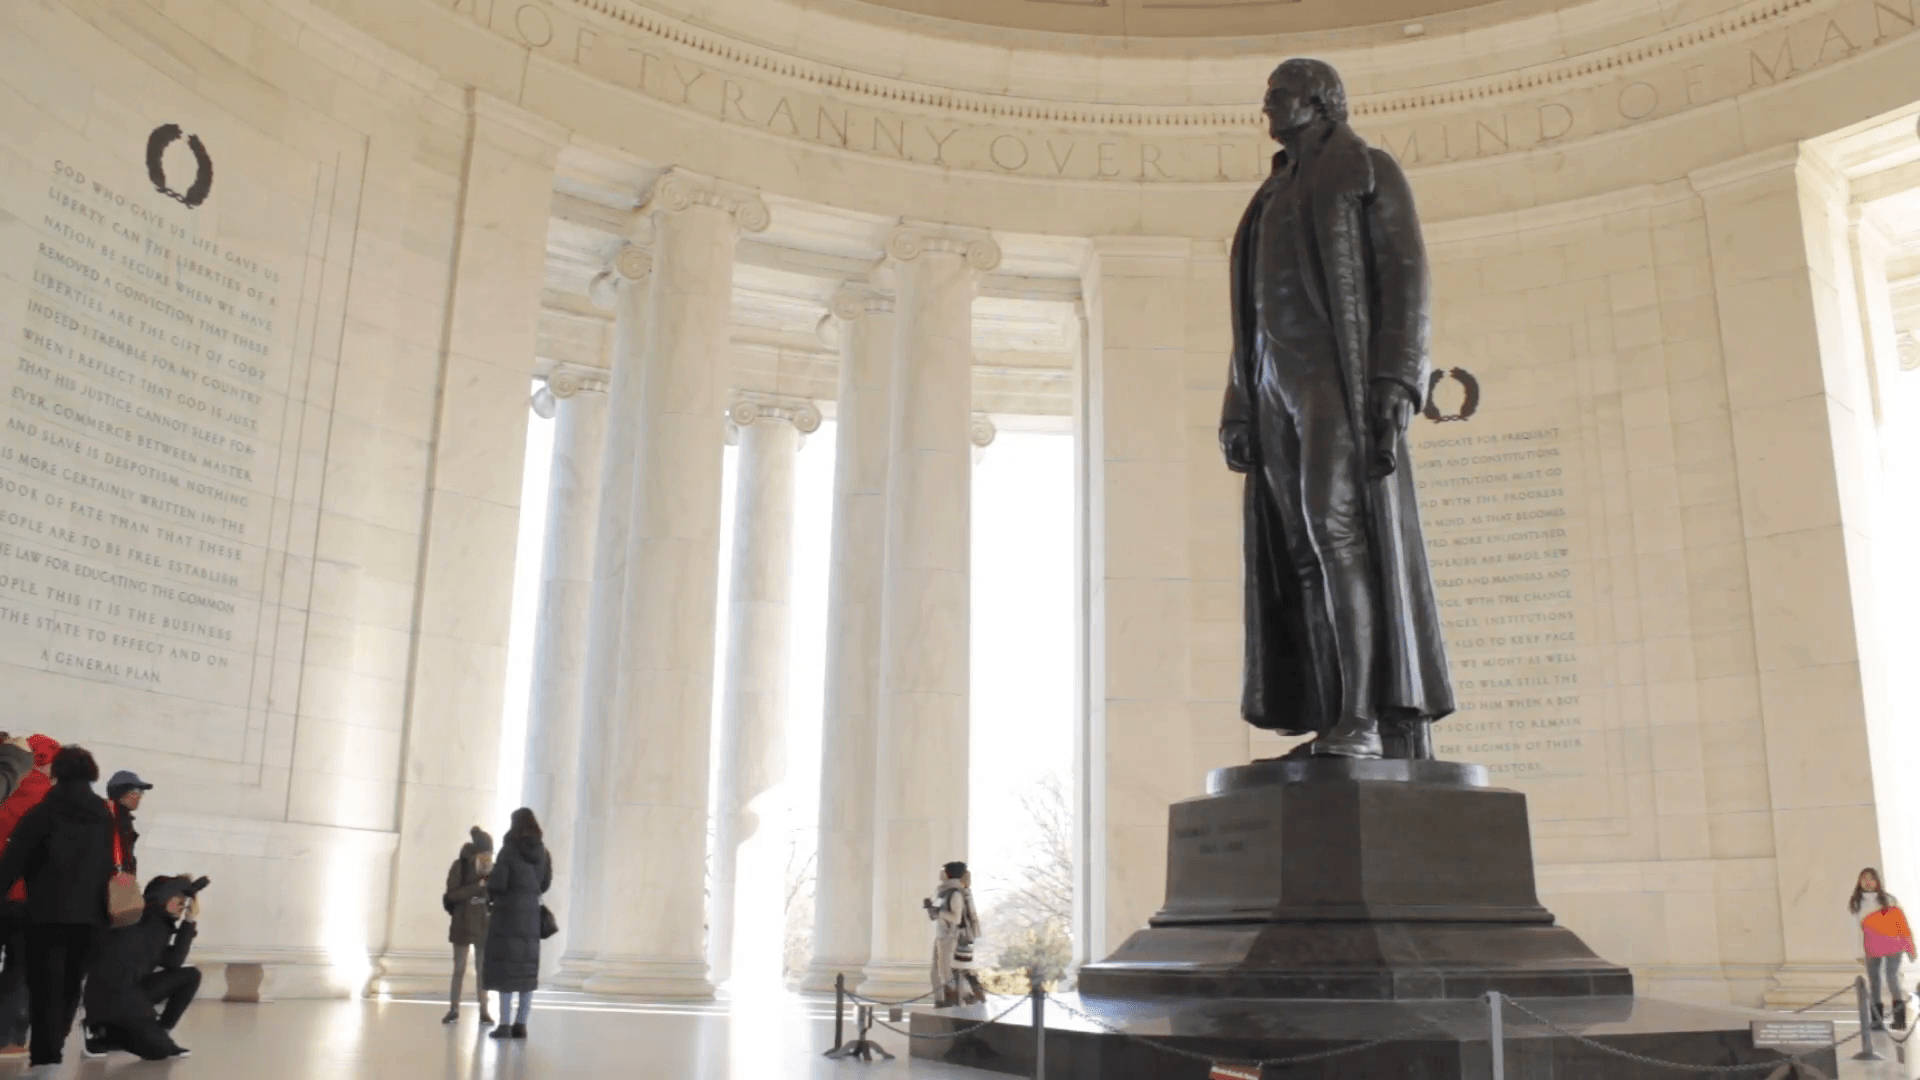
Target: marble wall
x,y
229,270
265,409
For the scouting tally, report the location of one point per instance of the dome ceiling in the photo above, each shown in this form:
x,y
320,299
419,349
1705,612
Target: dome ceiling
x,y
1196,18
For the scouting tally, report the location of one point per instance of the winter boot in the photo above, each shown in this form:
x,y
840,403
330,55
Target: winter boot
x,y
1900,1013
1879,1017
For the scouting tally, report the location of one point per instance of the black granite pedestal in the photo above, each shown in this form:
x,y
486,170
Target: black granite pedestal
x,y
1329,879
1364,906
1435,1040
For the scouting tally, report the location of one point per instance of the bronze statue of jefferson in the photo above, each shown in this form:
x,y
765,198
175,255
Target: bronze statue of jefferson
x,y
1330,364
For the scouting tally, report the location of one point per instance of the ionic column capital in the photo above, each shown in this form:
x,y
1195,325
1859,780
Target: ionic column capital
x,y
748,409
854,301
679,189
631,265
981,430
565,381
910,240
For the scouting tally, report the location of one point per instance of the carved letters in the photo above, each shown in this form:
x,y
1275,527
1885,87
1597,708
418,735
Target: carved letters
x,y
1711,62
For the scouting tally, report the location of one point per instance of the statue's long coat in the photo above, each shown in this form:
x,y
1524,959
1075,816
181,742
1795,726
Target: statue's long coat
x,y
1372,294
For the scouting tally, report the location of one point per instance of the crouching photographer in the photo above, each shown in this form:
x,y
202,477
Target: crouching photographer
x,y
139,968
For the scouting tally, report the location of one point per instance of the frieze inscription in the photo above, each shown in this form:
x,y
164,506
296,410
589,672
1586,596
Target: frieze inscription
x,y
845,111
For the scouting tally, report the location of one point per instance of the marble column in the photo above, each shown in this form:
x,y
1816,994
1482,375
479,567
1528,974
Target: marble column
x,y
920,769
578,399
843,881
651,767
622,287
463,599
753,703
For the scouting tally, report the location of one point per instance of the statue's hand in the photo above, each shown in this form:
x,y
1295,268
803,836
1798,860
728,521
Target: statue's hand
x,y
1392,408
1236,442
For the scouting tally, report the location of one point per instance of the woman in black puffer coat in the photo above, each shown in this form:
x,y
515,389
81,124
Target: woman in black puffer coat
x,y
522,871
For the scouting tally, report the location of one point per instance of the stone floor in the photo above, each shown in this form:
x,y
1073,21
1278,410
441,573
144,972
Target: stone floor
x,y
767,1038
570,1036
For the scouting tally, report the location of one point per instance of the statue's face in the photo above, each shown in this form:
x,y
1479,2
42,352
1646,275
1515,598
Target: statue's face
x,y
1289,102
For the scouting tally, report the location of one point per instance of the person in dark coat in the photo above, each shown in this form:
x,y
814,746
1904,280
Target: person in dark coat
x,y
125,789
521,873
466,904
63,849
26,794
137,967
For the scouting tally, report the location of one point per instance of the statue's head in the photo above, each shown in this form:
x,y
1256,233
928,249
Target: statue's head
x,y
1301,92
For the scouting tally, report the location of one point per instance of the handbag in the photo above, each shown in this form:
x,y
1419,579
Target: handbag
x,y
125,902
549,926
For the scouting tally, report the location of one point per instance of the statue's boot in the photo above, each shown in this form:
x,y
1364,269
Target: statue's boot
x,y
1353,612
1354,737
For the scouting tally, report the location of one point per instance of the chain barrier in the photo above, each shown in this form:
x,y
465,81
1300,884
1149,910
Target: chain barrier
x,y
1424,1025
1658,1063
1843,991
1263,1063
968,1030
864,1000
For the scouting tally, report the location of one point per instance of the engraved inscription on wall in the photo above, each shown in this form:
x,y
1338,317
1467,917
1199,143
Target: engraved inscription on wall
x,y
145,406
1501,530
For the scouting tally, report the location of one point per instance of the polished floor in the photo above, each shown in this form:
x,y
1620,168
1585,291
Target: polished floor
x,y
569,1036
765,1038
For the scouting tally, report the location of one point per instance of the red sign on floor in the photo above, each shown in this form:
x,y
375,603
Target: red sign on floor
x,y
1234,1072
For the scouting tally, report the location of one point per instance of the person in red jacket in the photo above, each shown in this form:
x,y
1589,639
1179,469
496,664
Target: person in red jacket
x,y
13,909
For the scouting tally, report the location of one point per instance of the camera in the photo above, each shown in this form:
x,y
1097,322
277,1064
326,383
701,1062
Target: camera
x,y
198,884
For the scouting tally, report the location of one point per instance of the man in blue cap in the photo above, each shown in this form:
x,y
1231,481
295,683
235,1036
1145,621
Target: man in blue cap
x,y
124,790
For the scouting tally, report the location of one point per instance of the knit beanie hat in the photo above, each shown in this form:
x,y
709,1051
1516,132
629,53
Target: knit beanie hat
x,y
43,749
482,843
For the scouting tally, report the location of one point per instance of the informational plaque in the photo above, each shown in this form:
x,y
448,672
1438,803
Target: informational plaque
x,y
1792,1034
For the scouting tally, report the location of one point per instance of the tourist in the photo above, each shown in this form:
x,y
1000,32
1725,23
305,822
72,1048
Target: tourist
x,y
138,967
466,904
956,928
125,790
31,787
511,964
1885,937
63,849
16,762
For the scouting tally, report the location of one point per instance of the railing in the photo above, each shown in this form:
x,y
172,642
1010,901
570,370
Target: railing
x,y
1498,1006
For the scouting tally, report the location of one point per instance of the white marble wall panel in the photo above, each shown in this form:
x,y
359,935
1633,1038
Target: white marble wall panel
x,y
327,171
1792,401
1141,754
451,742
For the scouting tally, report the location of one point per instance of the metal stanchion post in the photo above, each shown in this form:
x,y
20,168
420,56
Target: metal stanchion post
x,y
839,1010
1867,1052
1039,1026
1497,1034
